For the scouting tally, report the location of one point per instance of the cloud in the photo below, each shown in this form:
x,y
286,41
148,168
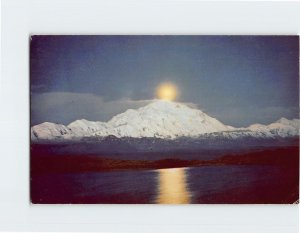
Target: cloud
x,y
65,107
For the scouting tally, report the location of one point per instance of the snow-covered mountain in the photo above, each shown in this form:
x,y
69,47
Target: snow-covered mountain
x,y
164,119
161,119
48,131
283,127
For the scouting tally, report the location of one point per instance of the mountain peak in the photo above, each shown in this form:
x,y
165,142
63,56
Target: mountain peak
x,y
165,119
283,120
160,103
167,105
161,119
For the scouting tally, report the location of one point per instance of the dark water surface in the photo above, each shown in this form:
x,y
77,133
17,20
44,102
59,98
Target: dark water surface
x,y
206,184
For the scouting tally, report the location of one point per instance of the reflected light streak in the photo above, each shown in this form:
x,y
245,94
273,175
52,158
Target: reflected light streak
x,y
173,187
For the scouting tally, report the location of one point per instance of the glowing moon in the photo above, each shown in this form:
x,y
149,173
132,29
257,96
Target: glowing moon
x,y
166,91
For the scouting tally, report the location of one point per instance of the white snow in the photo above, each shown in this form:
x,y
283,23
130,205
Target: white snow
x,y
48,130
81,128
283,127
162,119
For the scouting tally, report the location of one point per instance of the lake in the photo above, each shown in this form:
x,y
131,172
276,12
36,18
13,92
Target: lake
x,y
205,184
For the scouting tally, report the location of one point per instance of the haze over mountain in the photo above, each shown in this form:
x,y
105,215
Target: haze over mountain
x,y
160,119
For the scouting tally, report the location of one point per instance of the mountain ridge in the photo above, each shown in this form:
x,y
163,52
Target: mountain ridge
x,y
160,119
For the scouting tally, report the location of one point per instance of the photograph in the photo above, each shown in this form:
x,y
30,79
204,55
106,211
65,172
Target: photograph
x,y
164,119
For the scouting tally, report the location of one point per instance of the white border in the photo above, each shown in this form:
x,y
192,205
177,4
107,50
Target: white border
x,y
20,18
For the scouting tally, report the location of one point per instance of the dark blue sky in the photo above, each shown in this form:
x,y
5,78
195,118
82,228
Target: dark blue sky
x,y
238,79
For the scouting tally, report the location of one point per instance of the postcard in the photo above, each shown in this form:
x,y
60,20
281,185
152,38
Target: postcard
x,y
164,119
